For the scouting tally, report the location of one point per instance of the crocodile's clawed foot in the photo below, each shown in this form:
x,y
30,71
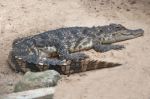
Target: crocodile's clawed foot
x,y
118,47
78,56
105,48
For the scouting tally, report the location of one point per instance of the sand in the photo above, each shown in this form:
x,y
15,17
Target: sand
x,y
19,18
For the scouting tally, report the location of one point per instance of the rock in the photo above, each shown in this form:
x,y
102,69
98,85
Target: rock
x,y
34,80
41,93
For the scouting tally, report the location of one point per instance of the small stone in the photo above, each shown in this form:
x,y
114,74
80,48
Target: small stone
x,y
34,80
9,83
127,9
41,93
133,2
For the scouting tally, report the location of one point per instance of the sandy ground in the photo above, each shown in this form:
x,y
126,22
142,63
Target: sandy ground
x,y
20,18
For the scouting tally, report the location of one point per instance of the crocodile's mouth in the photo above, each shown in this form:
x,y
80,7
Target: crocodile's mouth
x,y
134,33
123,35
129,34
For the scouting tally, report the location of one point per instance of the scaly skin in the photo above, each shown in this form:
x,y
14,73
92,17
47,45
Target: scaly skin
x,y
41,49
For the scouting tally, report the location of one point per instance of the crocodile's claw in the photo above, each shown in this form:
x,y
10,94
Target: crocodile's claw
x,y
118,47
108,47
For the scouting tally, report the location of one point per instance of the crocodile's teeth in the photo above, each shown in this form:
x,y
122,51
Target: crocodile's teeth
x,y
41,63
19,58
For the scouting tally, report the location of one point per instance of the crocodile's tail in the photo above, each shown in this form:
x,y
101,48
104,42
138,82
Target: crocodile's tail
x,y
87,65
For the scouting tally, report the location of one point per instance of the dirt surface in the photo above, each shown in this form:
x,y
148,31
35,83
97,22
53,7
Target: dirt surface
x,y
20,18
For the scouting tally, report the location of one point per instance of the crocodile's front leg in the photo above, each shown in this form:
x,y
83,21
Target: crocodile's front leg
x,y
63,52
107,47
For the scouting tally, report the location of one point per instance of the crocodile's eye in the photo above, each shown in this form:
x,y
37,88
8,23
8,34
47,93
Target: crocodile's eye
x,y
100,30
120,27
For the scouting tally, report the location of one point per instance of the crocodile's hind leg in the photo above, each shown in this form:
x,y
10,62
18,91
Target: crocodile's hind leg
x,y
51,63
107,47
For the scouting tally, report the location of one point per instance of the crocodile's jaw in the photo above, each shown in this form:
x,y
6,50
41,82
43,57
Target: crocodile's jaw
x,y
122,35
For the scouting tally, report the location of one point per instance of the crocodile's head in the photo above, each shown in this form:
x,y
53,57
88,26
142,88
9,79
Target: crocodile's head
x,y
116,33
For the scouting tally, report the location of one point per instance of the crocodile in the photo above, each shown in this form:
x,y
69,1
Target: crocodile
x,y
64,46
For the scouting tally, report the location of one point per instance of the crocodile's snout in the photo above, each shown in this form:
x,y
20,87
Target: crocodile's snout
x,y
138,32
130,34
